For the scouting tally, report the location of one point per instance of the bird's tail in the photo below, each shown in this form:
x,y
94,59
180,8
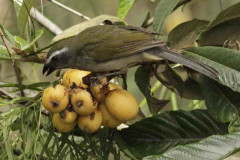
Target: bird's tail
x,y
182,59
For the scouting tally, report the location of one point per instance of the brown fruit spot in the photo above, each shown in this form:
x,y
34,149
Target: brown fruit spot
x,y
62,114
79,103
54,103
92,116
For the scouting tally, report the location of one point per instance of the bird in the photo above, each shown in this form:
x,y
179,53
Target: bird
x,y
115,48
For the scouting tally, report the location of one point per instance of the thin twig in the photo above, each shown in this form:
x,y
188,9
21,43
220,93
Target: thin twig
x,y
45,21
19,80
6,94
70,10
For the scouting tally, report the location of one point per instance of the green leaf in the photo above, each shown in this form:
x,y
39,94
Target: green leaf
x,y
229,13
218,35
7,35
142,79
213,147
224,27
123,7
3,53
225,61
76,29
23,8
26,45
222,103
161,132
185,34
163,9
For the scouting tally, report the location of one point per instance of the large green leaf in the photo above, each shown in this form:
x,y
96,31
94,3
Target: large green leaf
x,y
25,44
3,53
226,26
123,7
23,8
218,35
229,13
225,61
211,148
222,103
7,35
163,9
159,133
185,34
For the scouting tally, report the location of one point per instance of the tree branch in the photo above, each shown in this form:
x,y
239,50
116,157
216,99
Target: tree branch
x,y
70,10
19,80
6,94
45,21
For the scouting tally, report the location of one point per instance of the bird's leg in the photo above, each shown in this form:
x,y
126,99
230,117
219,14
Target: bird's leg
x,y
124,78
94,77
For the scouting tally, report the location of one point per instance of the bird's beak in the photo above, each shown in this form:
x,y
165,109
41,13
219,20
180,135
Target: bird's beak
x,y
47,69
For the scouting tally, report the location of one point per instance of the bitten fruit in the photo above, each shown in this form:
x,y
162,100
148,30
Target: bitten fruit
x,y
74,78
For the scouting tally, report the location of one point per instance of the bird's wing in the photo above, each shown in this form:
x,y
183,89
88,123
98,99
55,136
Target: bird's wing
x,y
120,41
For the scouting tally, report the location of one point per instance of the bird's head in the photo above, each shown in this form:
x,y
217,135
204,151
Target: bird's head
x,y
57,58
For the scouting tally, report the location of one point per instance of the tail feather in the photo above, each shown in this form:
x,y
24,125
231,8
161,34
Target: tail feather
x,y
181,59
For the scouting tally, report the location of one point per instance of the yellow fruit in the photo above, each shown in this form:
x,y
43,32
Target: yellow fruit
x,y
108,120
60,125
121,104
74,77
90,123
82,102
68,116
113,86
55,99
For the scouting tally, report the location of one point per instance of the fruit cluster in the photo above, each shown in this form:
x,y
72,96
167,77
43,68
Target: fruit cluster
x,y
73,102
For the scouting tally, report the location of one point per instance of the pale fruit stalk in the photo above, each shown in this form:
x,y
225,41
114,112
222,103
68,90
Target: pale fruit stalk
x,y
121,104
55,99
82,102
108,120
90,123
60,125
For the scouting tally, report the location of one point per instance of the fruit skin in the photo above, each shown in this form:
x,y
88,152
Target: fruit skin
x,y
82,102
55,99
74,76
60,125
67,116
121,104
90,123
108,120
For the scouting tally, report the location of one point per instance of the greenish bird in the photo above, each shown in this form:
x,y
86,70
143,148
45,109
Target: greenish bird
x,y
115,48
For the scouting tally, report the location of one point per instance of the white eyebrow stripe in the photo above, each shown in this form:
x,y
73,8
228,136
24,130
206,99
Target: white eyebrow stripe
x,y
65,49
